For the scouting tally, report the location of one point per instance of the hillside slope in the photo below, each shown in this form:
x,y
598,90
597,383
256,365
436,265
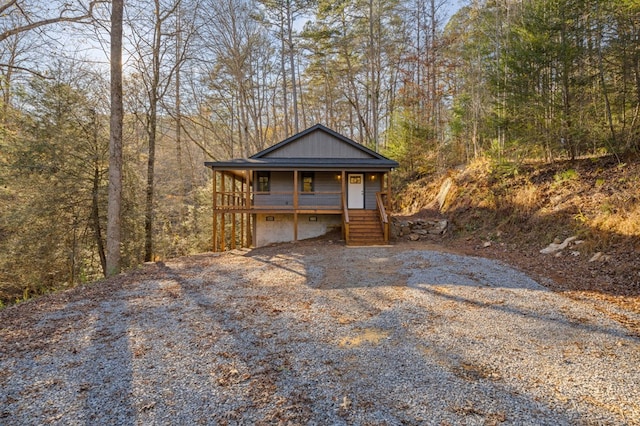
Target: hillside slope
x,y
513,213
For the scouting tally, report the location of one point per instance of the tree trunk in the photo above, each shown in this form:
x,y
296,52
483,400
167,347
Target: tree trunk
x,y
181,174
292,65
151,161
151,132
283,70
115,142
95,219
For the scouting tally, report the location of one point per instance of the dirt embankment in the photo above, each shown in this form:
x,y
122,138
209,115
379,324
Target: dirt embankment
x,y
512,213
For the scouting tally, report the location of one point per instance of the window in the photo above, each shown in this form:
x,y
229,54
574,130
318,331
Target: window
x,y
264,181
307,181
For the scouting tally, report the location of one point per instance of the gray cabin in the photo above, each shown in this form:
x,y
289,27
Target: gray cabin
x,y
303,187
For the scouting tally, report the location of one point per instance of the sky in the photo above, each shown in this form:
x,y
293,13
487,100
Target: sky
x,y
100,53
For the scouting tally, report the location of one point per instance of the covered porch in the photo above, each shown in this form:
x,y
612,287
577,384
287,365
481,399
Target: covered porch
x,y
256,204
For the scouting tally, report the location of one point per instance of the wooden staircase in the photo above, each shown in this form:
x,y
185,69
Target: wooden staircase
x,y
365,228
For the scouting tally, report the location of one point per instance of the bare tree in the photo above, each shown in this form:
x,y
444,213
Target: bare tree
x,y
281,15
156,67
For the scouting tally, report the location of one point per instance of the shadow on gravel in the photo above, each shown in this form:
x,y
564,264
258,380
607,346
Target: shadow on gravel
x,y
244,362
557,320
107,387
72,366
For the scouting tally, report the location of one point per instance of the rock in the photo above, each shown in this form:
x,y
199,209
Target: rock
x,y
554,247
414,237
486,244
444,191
599,257
422,227
441,226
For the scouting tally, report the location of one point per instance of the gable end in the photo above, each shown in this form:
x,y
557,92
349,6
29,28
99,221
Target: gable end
x,y
318,142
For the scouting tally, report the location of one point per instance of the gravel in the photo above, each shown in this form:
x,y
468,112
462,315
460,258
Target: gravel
x,y
317,333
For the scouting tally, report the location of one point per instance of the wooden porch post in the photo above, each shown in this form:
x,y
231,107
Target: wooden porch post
x,y
247,207
234,186
388,206
222,218
215,212
242,215
343,199
295,205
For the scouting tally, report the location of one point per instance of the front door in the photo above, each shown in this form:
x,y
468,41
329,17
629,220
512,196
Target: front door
x,y
355,191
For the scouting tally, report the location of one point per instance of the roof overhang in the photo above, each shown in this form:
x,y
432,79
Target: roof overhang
x,y
315,164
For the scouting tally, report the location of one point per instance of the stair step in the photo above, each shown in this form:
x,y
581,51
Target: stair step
x,y
376,230
365,228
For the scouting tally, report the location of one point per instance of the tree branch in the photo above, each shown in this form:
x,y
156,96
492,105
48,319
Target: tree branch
x,y
37,24
16,67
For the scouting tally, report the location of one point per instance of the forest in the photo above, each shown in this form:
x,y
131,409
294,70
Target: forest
x,y
511,81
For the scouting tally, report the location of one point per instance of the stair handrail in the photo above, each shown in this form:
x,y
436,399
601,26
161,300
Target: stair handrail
x,y
345,217
383,215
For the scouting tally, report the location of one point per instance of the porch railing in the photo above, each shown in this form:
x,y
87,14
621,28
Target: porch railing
x,y
345,217
384,218
280,200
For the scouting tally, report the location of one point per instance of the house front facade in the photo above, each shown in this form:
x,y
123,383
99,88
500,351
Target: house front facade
x,y
303,187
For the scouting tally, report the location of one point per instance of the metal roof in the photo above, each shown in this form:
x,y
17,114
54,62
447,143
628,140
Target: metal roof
x,y
304,163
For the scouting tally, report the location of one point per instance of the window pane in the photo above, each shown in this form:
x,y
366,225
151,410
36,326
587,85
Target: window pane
x,y
264,182
307,182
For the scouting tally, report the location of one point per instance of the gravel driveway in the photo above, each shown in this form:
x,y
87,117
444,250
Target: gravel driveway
x,y
317,333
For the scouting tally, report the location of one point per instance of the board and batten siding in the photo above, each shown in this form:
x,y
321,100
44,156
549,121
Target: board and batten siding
x,y
371,187
281,194
281,191
318,145
323,182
